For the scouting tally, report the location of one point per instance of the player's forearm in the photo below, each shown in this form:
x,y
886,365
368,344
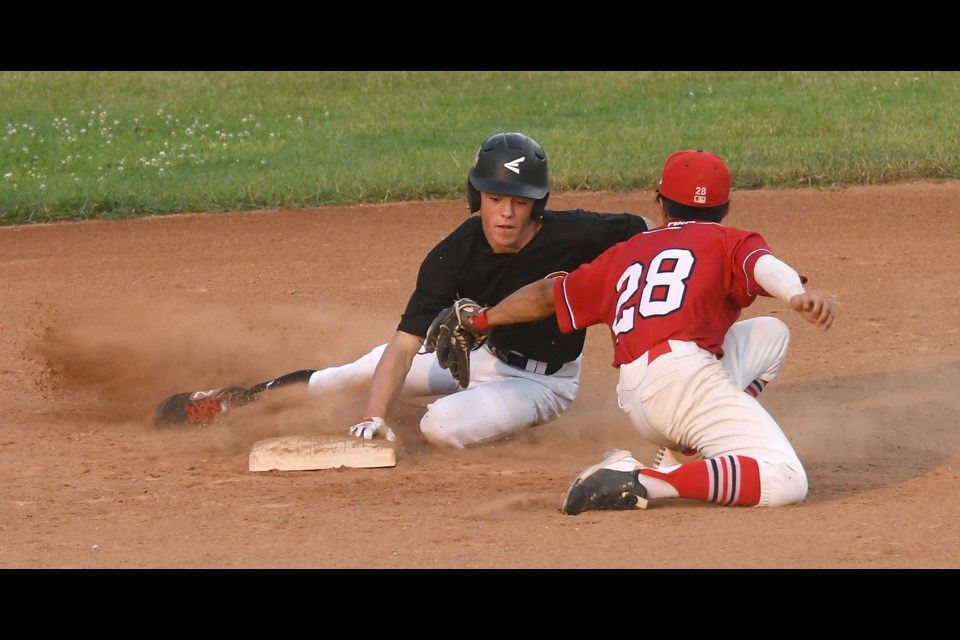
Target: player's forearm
x,y
390,374
532,302
777,278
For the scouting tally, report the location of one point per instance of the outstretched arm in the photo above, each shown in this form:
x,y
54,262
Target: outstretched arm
x,y
388,378
781,281
390,373
531,302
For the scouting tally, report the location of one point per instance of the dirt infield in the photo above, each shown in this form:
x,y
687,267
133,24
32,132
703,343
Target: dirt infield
x,y
103,319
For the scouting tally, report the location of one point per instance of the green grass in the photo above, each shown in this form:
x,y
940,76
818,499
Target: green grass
x,y
106,145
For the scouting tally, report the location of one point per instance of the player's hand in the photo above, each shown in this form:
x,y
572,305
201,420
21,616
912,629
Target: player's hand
x,y
815,308
368,428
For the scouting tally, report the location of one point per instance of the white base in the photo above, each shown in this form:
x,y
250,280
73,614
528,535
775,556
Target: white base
x,y
302,453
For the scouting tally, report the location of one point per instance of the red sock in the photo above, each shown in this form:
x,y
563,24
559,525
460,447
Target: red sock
x,y
727,480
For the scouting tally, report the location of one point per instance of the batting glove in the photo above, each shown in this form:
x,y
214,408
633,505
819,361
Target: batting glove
x,y
368,428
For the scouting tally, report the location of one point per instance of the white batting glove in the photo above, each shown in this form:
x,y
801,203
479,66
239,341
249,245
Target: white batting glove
x,y
368,428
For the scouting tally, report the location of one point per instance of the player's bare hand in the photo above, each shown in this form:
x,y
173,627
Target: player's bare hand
x,y
815,307
369,428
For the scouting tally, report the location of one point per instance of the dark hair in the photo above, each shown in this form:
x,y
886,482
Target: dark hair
x,y
682,211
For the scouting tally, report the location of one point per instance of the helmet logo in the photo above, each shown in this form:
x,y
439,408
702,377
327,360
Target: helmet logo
x,y
514,165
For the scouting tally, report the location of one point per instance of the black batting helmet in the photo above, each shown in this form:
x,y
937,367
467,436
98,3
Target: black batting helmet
x,y
512,164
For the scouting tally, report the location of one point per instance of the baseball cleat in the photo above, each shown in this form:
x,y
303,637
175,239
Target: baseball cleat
x,y
610,484
198,407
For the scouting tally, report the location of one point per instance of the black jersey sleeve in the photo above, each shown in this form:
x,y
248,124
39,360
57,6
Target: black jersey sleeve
x,y
443,277
587,234
434,292
618,227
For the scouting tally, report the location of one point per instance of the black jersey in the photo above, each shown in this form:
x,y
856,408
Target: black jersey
x,y
463,265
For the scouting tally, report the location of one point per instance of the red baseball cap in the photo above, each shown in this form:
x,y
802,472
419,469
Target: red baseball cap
x,y
697,178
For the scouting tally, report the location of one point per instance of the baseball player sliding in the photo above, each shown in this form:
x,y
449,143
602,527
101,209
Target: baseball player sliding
x,y
669,295
524,374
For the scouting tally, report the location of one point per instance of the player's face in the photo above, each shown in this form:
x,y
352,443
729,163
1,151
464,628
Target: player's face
x,y
507,221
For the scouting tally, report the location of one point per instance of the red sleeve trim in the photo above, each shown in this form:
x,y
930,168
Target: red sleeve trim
x,y
564,320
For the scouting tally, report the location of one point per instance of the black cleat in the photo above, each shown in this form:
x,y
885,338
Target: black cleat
x,y
611,484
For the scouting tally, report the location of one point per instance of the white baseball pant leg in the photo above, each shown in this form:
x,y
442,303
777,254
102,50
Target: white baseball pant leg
x,y
688,397
500,400
755,349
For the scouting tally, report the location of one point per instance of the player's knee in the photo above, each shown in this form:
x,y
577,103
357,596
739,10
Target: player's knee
x,y
440,428
774,330
784,484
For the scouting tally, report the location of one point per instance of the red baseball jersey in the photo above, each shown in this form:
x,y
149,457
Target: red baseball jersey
x,y
682,281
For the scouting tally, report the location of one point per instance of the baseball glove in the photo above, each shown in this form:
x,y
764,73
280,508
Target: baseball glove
x,y
453,336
